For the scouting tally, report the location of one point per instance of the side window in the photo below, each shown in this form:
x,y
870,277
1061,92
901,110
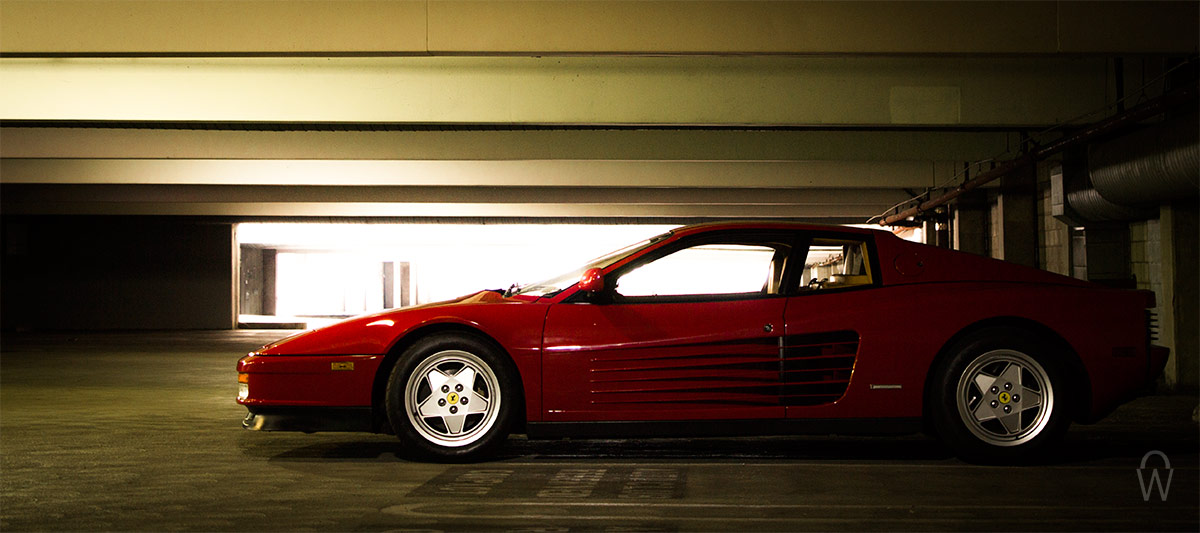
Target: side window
x,y
836,264
710,269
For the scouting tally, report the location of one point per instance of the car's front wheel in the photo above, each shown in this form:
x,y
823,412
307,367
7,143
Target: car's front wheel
x,y
451,397
998,397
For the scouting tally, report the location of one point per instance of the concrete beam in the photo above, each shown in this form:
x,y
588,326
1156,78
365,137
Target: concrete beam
x,y
835,206
550,173
513,144
151,27
29,193
248,210
789,91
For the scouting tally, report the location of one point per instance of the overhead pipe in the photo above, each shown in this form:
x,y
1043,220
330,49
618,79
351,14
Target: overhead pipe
x,y
1134,115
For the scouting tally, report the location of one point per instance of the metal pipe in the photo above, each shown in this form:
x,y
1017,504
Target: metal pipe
x,y
1105,127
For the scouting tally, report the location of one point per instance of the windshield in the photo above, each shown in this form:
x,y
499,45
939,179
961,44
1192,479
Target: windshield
x,y
557,284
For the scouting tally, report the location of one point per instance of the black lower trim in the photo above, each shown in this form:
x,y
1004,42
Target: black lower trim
x,y
308,419
723,428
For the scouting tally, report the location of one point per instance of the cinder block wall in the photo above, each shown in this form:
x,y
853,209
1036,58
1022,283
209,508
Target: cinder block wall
x,y
1054,236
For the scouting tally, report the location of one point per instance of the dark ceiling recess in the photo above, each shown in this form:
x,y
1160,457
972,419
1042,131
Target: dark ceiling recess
x,y
1182,98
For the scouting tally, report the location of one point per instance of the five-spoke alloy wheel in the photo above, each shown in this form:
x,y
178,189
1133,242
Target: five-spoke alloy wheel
x,y
1005,397
451,396
994,398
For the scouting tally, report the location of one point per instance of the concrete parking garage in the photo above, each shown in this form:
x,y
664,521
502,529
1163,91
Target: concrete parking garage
x,y
138,136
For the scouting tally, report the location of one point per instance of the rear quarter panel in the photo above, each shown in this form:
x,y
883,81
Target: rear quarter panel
x,y
1103,327
948,291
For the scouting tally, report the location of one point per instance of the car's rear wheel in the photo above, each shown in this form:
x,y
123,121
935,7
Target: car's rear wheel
x,y
998,397
451,397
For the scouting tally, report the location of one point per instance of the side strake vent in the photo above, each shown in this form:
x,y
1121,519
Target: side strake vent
x,y
694,375
1151,325
811,369
817,367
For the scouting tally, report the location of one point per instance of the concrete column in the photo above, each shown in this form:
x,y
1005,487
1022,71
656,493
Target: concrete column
x,y
389,284
1179,226
929,232
250,259
971,218
404,273
1107,249
268,283
1018,225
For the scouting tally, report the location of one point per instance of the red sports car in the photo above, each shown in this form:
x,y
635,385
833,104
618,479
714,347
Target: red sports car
x,y
728,329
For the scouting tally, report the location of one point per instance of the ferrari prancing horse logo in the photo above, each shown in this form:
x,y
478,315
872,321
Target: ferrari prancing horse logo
x,y
452,398
1004,397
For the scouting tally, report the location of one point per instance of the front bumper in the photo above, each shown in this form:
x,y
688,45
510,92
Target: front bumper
x,y
308,419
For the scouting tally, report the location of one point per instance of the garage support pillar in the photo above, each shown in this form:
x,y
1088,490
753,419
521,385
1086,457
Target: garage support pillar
x,y
1180,298
1017,227
970,226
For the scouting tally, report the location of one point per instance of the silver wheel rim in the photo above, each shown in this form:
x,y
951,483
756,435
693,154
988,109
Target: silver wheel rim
x,y
1005,398
452,398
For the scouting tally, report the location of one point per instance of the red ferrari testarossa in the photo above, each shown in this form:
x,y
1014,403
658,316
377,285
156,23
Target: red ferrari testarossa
x,y
735,328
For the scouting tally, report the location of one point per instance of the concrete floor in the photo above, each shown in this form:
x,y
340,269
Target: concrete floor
x,y
139,431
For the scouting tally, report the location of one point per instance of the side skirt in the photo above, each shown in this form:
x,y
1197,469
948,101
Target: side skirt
x,y
723,428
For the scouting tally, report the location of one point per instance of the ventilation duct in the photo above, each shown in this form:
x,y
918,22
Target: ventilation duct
x,y
1129,177
1149,167
1089,206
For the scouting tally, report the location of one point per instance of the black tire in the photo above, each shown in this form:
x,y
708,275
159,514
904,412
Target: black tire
x,y
1000,397
452,397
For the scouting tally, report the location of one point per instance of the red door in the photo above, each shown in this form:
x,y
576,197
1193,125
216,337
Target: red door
x,y
658,361
844,335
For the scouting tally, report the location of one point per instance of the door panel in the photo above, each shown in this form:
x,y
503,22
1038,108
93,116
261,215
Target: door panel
x,y
656,361
862,334
841,342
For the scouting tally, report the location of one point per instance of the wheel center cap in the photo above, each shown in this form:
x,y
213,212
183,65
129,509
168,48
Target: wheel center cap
x,y
452,398
1004,397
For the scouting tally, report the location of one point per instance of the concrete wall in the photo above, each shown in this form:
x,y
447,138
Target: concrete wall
x,y
117,273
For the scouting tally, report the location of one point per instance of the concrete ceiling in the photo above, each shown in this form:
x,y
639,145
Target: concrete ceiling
x,y
807,110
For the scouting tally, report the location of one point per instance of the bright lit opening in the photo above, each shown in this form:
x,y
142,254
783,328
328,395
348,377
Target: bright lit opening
x,y
299,274
307,275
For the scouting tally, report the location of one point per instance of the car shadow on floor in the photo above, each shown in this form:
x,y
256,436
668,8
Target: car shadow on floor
x,y
1077,449
519,449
